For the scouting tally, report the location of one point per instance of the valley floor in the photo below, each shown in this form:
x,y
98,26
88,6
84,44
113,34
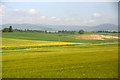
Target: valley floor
x,y
23,58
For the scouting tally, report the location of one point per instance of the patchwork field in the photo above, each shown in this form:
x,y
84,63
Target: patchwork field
x,y
40,55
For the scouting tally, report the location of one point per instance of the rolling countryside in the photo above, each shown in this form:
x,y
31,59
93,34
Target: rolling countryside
x,y
43,55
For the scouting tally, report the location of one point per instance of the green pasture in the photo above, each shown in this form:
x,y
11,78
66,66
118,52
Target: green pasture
x,y
98,60
55,37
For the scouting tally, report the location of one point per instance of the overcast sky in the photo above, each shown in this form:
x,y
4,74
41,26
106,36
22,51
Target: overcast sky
x,y
59,13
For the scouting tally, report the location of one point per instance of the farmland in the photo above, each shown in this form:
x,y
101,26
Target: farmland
x,y
43,55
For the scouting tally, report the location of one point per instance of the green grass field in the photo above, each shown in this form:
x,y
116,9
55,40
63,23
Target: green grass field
x,y
91,59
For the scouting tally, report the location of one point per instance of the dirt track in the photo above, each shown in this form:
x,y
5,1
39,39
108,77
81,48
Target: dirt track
x,y
96,37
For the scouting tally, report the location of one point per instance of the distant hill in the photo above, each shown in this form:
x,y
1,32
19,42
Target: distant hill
x,y
66,27
27,26
104,27
62,27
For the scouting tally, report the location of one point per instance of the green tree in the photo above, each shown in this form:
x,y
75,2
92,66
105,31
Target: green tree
x,y
81,32
10,29
5,30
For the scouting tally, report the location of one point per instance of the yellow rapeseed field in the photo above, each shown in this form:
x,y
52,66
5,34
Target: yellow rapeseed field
x,y
6,42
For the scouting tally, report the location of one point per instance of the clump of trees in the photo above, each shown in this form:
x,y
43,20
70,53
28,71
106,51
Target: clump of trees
x,y
108,31
81,32
65,31
8,29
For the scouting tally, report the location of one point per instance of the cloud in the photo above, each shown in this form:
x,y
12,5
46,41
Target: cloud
x,y
68,19
87,22
91,21
54,18
16,10
32,11
2,7
42,17
96,15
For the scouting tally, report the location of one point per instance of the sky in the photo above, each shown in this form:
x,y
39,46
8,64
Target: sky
x,y
59,13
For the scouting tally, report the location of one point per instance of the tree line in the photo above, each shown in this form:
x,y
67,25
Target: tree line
x,y
108,31
10,29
